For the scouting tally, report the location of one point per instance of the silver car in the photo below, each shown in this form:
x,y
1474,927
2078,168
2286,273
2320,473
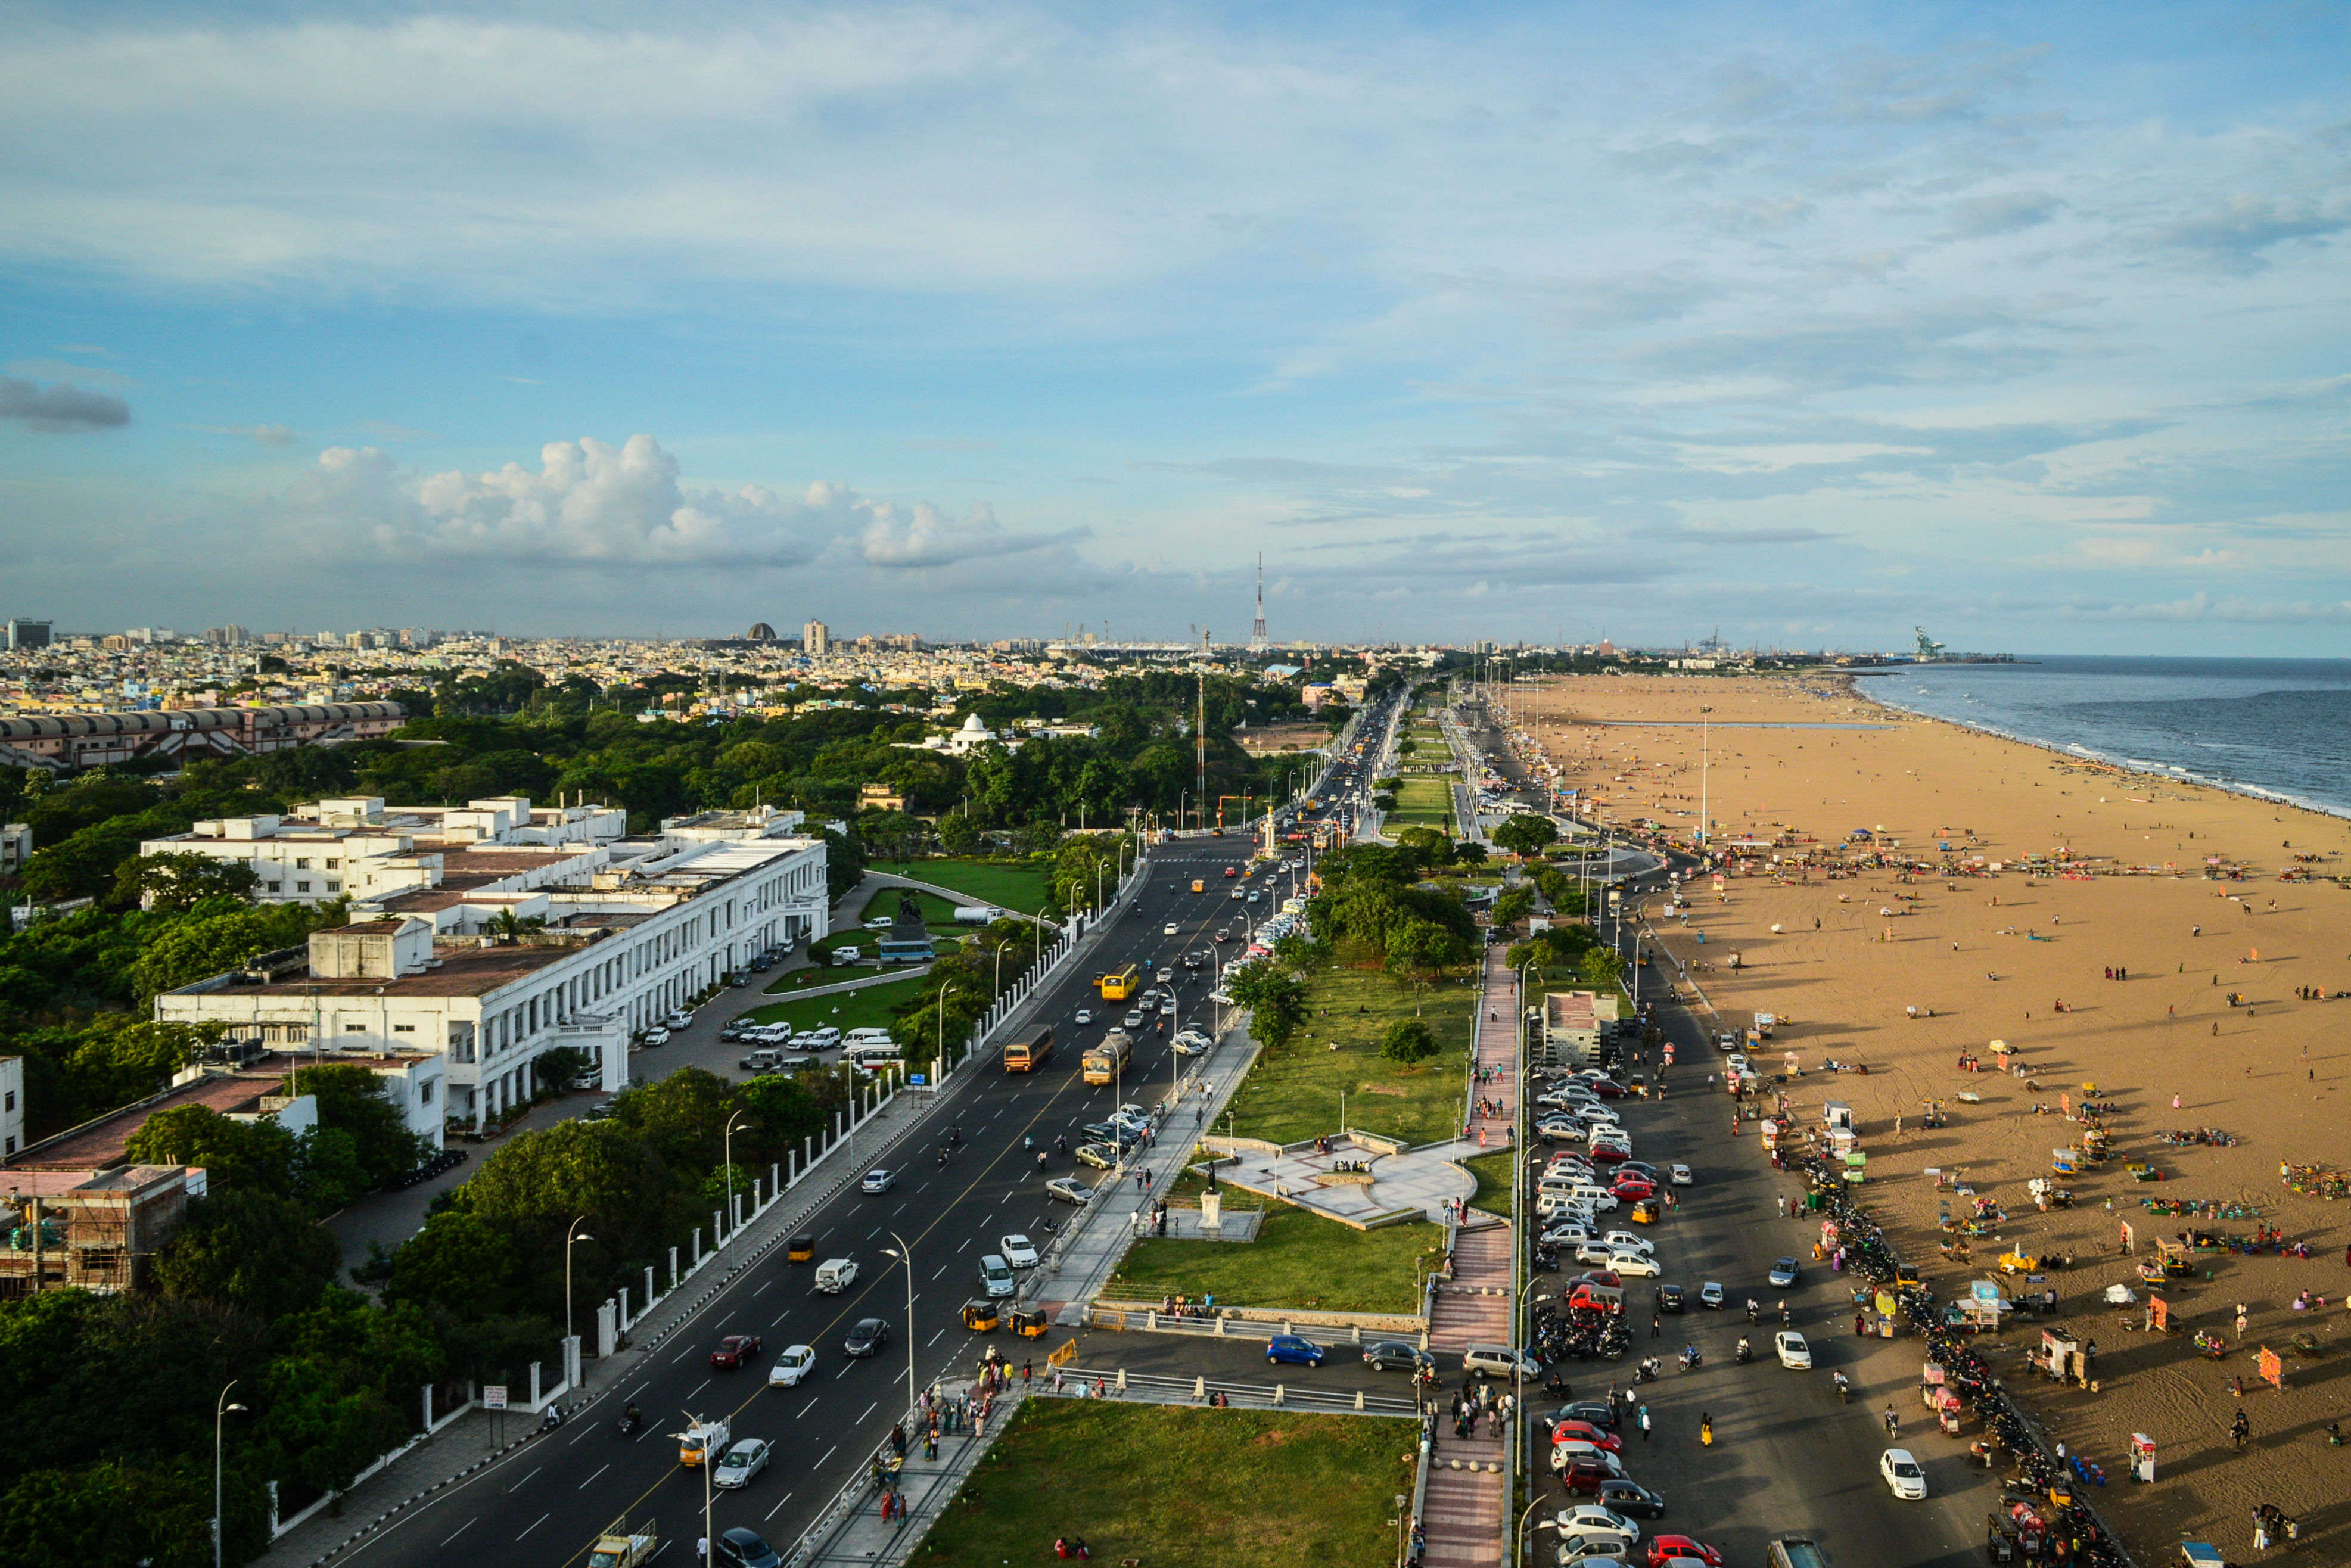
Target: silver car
x,y
741,1462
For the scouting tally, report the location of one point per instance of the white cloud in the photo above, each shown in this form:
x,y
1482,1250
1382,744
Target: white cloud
x,y
266,434
922,537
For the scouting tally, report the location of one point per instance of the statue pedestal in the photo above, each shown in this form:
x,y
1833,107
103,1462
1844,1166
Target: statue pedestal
x,y
1211,1210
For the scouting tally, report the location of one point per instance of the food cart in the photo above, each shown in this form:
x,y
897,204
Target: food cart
x,y
2142,1457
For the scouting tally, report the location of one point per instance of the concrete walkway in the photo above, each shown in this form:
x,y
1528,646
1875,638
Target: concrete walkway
x,y
1466,1515
1421,1180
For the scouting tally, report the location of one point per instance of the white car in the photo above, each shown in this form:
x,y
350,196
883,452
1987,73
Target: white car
x,y
797,1361
1634,1265
741,1463
1598,1253
678,1020
1190,1042
1678,1175
1133,1020
1168,930
657,1036
1085,1015
1626,1241
1902,1474
1017,1250
1795,1354
1735,1063
1567,1236
1592,1518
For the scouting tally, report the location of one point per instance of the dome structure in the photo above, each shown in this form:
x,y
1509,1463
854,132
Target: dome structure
x,y
760,632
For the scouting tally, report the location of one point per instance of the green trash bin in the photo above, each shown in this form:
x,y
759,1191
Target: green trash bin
x,y
1812,1203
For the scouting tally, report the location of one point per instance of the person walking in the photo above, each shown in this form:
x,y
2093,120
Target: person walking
x,y
1645,1423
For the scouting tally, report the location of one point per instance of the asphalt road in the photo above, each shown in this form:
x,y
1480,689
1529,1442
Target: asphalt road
x,y
542,1506
1787,1458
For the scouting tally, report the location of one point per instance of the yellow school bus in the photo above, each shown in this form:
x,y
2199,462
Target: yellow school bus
x,y
1120,985
1026,1055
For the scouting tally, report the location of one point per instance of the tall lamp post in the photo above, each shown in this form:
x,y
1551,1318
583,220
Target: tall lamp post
x,y
727,1135
571,1233
905,1254
221,1408
944,991
1521,1531
694,1426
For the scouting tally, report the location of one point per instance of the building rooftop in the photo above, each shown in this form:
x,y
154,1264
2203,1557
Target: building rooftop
x,y
98,1143
465,971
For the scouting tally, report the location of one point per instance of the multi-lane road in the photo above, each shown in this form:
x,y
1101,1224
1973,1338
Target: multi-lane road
x,y
541,1506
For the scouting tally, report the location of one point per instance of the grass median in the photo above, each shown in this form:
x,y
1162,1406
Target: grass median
x,y
1425,801
1293,1093
1493,1174
1299,1261
1169,1484
1022,887
868,1008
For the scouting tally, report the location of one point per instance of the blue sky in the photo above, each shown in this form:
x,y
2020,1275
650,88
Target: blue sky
x,y
1806,322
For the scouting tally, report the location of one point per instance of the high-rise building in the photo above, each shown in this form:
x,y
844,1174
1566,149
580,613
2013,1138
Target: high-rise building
x,y
816,639
22,634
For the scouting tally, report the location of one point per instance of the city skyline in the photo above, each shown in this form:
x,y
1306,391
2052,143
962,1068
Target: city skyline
x,y
1500,322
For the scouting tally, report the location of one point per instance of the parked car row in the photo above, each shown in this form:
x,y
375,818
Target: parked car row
x,y
447,1159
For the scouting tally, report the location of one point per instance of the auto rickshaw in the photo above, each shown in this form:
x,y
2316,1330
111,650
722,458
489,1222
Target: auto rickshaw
x,y
1647,1211
980,1316
2173,1256
1028,1323
2019,1263
802,1250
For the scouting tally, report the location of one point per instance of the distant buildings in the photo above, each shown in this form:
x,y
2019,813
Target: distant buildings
x,y
12,1104
816,639
27,634
65,741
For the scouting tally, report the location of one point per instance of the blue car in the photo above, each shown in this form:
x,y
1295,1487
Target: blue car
x,y
1783,1272
1296,1349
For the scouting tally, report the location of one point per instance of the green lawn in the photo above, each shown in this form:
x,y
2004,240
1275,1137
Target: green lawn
x,y
1024,886
845,1011
1424,802
1493,1174
1172,1486
938,913
1293,1093
1298,1259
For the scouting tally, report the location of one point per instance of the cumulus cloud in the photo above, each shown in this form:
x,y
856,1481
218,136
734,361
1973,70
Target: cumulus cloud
x,y
590,503
922,536
63,407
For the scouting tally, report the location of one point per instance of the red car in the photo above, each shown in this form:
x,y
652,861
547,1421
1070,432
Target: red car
x,y
733,1350
1632,1188
1608,1089
1599,1277
1585,1432
1665,1548
1587,1478
1232,871
1609,1154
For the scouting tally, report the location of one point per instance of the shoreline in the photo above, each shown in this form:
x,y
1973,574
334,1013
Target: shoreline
x,y
2084,756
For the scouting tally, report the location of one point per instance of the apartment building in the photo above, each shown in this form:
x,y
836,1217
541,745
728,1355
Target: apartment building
x,y
606,937
1576,1024
12,1104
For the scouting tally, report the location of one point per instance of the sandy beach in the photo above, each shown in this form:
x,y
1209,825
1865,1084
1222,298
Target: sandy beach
x,y
2102,952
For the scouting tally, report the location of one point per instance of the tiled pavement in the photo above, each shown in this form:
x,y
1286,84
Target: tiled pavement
x,y
1464,1517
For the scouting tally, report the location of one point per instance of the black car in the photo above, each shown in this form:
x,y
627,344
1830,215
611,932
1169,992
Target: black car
x,y
1591,1412
869,1336
741,1548
1107,1132
1630,1498
1669,1299
1397,1356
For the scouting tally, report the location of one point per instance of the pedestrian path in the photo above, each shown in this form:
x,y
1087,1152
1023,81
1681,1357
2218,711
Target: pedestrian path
x,y
1464,1517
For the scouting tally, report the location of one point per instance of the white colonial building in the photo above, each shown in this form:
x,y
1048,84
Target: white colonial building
x,y
607,934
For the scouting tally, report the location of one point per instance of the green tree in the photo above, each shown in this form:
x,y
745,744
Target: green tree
x,y
252,1157
192,949
262,1252
178,881
355,1101
1513,906
1407,1040
1424,946
957,836
460,1262
1526,834
1276,1001
1468,852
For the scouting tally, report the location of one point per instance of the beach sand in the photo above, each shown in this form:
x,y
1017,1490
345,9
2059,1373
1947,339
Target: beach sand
x,y
1993,958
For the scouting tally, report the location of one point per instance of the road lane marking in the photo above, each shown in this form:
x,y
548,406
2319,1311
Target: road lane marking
x,y
933,1340
869,1410
780,1503
520,1484
583,1485
805,1409
533,1524
828,1454
699,1387
460,1531
762,1290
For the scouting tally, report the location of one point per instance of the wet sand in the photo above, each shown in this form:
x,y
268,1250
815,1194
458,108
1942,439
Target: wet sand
x,y
1904,976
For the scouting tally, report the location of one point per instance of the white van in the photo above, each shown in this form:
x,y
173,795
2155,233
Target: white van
x,y
823,1038
873,1058
858,1037
835,1275
996,1276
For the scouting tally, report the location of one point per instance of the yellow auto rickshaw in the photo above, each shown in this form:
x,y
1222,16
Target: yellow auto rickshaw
x,y
802,1250
979,1316
1647,1211
1028,1323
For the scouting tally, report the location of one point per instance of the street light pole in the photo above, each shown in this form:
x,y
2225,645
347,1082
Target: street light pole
x,y
221,1408
728,1134
905,1254
570,1234
1520,1535
944,991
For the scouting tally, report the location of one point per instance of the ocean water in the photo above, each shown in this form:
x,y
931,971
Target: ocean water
x,y
2275,727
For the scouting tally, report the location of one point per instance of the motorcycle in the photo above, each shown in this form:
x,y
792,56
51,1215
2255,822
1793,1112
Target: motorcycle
x,y
1745,1354
632,1419
552,1419
1692,1358
1843,1388
1027,1141
1754,1312
1557,1388
1041,1162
